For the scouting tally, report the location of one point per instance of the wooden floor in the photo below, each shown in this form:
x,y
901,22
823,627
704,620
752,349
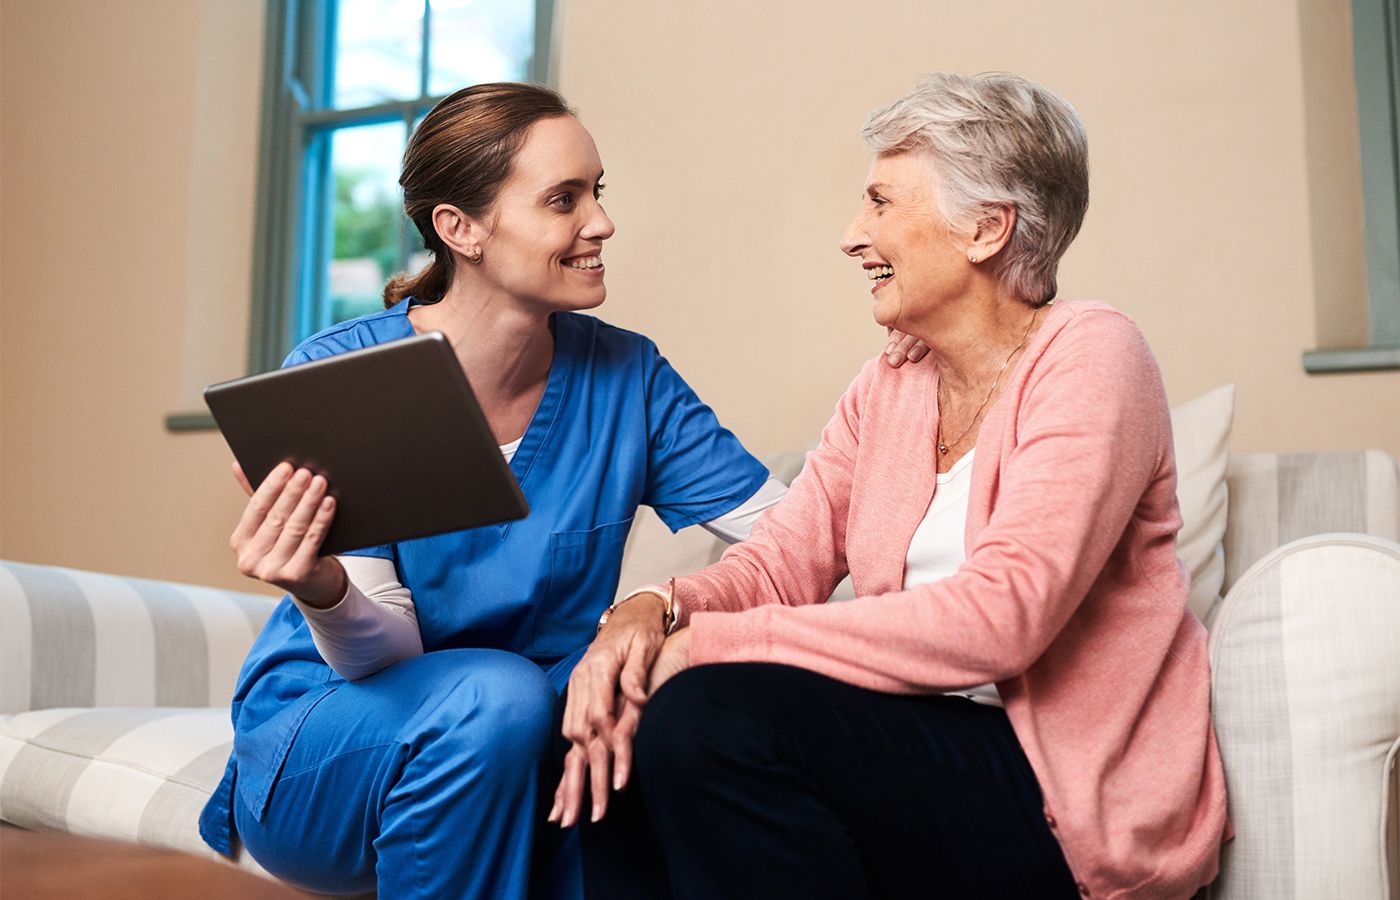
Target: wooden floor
x,y
42,865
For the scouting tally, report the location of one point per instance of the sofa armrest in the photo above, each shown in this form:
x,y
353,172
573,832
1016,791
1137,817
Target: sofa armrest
x,y
72,638
1305,654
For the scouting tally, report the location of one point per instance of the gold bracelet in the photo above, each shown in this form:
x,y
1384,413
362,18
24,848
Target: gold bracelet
x,y
668,600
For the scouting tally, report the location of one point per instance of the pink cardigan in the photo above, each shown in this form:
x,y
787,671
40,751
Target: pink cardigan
x,y
1072,599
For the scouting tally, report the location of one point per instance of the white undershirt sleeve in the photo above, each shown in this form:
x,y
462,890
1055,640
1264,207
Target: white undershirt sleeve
x,y
375,625
736,525
372,627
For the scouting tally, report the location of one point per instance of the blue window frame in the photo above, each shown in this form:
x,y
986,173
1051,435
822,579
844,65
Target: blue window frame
x,y
1376,49
344,83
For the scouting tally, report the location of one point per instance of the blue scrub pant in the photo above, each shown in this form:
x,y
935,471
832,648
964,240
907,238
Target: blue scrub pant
x,y
423,780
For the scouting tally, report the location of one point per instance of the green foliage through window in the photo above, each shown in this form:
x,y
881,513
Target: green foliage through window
x,y
345,81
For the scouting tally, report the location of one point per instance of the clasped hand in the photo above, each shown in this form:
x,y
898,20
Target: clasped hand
x,y
626,663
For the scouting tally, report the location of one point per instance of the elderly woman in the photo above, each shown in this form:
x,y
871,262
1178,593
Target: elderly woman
x,y
1017,702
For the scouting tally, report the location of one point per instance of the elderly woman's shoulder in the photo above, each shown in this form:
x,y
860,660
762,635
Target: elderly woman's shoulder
x,y
1092,319
878,379
1087,312
1095,336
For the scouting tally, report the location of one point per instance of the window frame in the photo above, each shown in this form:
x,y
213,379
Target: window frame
x,y
297,122
1376,53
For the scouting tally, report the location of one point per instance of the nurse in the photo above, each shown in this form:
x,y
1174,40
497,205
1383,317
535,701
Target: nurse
x,y
393,716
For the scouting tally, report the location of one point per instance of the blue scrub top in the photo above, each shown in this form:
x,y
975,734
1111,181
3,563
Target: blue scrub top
x,y
615,428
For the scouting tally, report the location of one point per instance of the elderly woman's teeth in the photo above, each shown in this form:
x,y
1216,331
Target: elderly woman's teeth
x,y
879,272
585,262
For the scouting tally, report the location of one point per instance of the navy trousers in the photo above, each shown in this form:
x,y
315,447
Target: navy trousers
x,y
423,780
771,781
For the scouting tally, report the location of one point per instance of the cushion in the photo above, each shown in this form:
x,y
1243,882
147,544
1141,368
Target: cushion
x,y
1201,435
129,774
1306,705
654,554
1276,498
73,638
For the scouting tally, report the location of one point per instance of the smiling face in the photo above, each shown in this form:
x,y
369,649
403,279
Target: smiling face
x,y
545,232
917,262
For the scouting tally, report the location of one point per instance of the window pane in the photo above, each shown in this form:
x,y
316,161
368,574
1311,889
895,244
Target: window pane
x,y
475,41
367,218
378,52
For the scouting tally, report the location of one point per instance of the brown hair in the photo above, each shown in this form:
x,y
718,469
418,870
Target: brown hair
x,y
461,154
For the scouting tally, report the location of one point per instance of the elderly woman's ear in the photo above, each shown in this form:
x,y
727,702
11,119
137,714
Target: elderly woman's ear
x,y
993,232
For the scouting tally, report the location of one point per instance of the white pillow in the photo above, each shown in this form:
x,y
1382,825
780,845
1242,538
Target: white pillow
x,y
1201,433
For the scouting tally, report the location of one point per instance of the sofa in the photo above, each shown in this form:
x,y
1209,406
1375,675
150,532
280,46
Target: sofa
x,y
114,691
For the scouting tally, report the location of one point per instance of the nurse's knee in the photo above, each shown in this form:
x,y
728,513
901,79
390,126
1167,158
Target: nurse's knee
x,y
502,706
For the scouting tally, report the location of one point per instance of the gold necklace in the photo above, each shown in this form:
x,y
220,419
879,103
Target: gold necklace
x,y
942,447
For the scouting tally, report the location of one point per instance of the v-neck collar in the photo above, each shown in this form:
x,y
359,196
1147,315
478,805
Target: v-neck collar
x,y
551,402
541,424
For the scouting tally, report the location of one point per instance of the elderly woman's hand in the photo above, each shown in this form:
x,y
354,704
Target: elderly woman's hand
x,y
903,346
606,692
673,659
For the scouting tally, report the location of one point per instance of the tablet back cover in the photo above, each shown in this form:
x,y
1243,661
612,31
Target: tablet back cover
x,y
395,429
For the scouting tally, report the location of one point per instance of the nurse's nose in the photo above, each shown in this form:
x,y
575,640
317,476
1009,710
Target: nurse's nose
x,y
599,226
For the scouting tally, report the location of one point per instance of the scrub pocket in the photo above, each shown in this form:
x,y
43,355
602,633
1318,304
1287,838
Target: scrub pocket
x,y
583,573
269,719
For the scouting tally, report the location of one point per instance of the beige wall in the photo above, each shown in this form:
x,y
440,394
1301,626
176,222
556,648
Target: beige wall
x,y
1225,213
1225,218
118,192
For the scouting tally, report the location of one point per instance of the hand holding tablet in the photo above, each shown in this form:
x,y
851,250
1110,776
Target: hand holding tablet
x,y
394,430
278,538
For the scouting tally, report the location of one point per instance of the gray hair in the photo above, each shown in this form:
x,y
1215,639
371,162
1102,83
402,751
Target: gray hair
x,y
995,140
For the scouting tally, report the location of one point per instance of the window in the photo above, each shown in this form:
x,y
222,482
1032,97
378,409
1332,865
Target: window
x,y
345,81
1376,48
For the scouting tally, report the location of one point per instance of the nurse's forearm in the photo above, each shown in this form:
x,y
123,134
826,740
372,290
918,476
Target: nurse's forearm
x,y
372,627
736,525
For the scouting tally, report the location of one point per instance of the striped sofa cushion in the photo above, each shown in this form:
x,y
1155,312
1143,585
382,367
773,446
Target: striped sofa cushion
x,y
1305,653
1276,498
129,774
73,638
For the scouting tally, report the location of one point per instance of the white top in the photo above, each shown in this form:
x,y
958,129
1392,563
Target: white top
x,y
939,547
375,625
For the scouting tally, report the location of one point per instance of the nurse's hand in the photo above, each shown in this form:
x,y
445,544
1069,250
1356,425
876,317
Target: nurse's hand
x,y
606,692
903,346
590,761
278,539
590,764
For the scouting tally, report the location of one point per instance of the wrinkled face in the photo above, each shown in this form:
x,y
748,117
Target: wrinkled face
x,y
547,227
915,261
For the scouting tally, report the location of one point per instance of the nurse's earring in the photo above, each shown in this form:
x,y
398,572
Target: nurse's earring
x,y
474,257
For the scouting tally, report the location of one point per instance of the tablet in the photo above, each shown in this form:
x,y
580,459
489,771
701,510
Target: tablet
x,y
396,430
